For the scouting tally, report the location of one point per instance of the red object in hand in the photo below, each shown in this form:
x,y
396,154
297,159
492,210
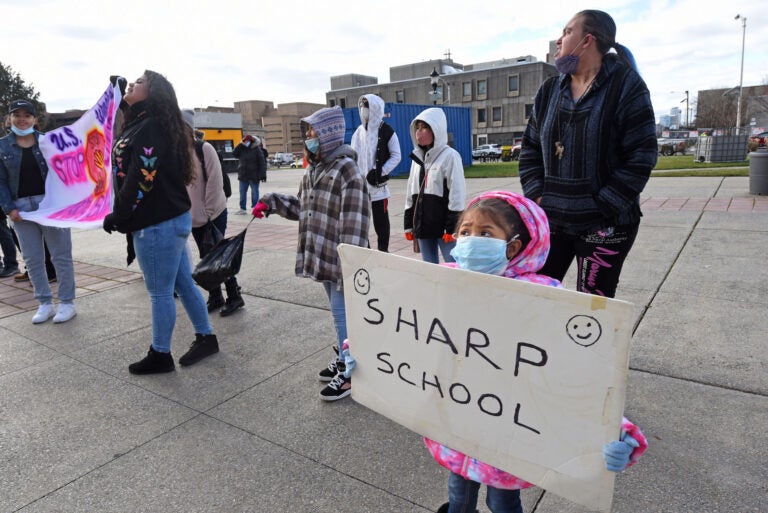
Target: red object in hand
x,y
408,235
260,209
447,237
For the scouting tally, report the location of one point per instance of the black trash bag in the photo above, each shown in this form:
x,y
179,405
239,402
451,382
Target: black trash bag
x,y
211,237
221,263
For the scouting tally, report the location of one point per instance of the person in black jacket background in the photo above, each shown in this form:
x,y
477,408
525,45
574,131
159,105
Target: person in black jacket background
x,y
251,170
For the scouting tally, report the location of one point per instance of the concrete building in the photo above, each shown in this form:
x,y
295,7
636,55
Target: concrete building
x,y
500,93
282,126
720,105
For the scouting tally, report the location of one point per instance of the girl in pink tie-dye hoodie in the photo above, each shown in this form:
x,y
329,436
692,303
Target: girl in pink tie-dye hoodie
x,y
507,234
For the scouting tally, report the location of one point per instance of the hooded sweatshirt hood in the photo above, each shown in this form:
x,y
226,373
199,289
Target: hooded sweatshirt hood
x,y
375,110
531,258
436,120
329,126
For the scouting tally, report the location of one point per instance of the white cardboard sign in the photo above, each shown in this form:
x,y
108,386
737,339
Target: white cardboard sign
x,y
528,378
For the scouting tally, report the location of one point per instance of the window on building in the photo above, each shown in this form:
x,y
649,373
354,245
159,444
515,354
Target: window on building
x,y
466,90
343,103
400,96
496,113
528,110
481,116
482,89
513,85
332,103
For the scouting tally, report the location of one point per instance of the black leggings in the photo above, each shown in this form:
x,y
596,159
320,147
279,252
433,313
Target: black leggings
x,y
599,256
381,223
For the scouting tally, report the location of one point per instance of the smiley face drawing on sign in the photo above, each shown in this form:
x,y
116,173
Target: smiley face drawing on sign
x,y
362,282
584,330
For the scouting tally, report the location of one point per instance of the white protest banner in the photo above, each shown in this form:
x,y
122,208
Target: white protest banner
x,y
78,187
528,378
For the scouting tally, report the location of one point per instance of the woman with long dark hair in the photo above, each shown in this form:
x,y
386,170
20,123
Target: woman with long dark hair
x,y
153,165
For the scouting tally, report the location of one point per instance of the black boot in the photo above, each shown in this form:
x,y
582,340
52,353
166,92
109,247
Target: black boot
x,y
234,299
204,345
215,299
153,363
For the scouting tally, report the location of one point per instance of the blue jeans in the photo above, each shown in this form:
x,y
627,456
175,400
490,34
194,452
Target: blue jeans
x,y
336,299
462,496
161,252
59,242
429,249
254,185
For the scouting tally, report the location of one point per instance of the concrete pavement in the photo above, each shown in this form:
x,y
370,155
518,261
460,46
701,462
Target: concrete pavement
x,y
245,431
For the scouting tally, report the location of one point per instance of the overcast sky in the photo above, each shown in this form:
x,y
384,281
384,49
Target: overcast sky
x,y
216,53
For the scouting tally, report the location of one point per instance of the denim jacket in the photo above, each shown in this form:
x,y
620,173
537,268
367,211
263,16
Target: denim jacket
x,y
10,169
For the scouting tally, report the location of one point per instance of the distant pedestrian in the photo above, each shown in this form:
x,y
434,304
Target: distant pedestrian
x,y
251,170
332,208
23,170
588,151
378,154
436,192
153,165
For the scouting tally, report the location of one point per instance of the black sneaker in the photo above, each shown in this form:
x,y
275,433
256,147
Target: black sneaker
x,y
339,388
329,372
153,363
204,345
5,272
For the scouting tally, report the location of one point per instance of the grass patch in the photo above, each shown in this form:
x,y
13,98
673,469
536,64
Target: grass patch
x,y
676,165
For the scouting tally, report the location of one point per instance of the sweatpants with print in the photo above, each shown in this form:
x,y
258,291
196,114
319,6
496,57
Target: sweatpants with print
x,y
599,257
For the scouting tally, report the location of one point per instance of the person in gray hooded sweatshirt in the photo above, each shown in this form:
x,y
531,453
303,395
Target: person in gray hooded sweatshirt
x,y
436,192
332,208
378,153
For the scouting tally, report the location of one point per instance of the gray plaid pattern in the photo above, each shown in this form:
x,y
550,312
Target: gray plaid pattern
x,y
332,208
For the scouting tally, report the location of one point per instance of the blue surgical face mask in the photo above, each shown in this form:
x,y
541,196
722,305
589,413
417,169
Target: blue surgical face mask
x,y
312,145
19,131
482,254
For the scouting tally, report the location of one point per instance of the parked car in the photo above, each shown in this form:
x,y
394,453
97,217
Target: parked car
x,y
760,139
298,163
487,151
282,159
669,147
511,152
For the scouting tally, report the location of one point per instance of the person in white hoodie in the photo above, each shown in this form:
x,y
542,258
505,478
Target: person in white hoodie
x,y
378,153
436,192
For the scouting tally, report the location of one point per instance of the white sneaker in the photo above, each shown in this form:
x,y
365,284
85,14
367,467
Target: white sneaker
x,y
241,212
44,312
66,312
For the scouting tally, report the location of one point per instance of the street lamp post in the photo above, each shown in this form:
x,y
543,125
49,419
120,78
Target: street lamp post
x,y
434,78
741,74
686,109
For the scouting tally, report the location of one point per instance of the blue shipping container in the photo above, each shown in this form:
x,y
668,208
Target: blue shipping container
x,y
399,117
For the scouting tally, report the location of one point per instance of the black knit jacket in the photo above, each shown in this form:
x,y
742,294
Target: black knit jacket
x,y
149,186
610,148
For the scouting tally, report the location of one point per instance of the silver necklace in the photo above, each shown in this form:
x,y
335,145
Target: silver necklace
x,y
559,147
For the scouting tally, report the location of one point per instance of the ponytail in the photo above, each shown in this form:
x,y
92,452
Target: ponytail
x,y
626,56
